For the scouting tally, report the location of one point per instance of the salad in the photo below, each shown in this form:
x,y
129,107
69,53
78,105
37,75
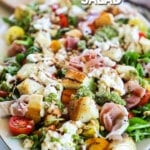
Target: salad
x,y
77,77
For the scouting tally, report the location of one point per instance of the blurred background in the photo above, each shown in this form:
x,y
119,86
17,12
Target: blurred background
x,y
7,6
10,4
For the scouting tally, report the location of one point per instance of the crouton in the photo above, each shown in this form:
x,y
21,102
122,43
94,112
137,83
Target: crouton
x,y
75,79
74,33
35,108
70,84
104,19
28,86
97,144
26,70
75,75
66,95
114,10
83,109
55,46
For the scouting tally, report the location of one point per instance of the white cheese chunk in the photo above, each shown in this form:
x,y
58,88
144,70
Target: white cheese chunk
x,y
42,24
145,44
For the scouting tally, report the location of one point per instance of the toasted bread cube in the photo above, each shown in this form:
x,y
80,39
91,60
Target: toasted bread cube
x,y
35,108
74,33
104,19
26,70
28,86
114,10
75,75
70,84
83,109
66,95
97,144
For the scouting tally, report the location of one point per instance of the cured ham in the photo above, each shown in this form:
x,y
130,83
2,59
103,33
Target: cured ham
x,y
132,101
90,60
135,88
15,49
76,63
114,117
19,107
71,43
137,92
15,107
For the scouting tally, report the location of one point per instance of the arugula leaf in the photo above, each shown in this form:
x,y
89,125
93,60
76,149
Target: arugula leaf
x,y
76,2
13,68
140,111
136,120
32,50
27,41
2,99
9,21
148,33
60,33
82,45
20,57
123,20
20,136
33,6
61,73
138,129
130,58
135,59
140,70
73,20
5,86
24,22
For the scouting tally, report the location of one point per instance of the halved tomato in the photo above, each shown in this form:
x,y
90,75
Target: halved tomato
x,y
20,125
130,115
142,34
63,20
3,93
145,99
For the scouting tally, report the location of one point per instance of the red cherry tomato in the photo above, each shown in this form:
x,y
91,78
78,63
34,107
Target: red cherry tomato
x,y
63,20
24,61
141,34
92,27
130,115
20,125
3,93
145,99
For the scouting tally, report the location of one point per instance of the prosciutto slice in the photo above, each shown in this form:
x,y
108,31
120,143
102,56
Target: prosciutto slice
x,y
135,88
132,101
90,60
76,63
19,108
71,43
15,107
115,119
137,92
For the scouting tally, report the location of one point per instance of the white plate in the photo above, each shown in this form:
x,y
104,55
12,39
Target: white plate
x,y
4,131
